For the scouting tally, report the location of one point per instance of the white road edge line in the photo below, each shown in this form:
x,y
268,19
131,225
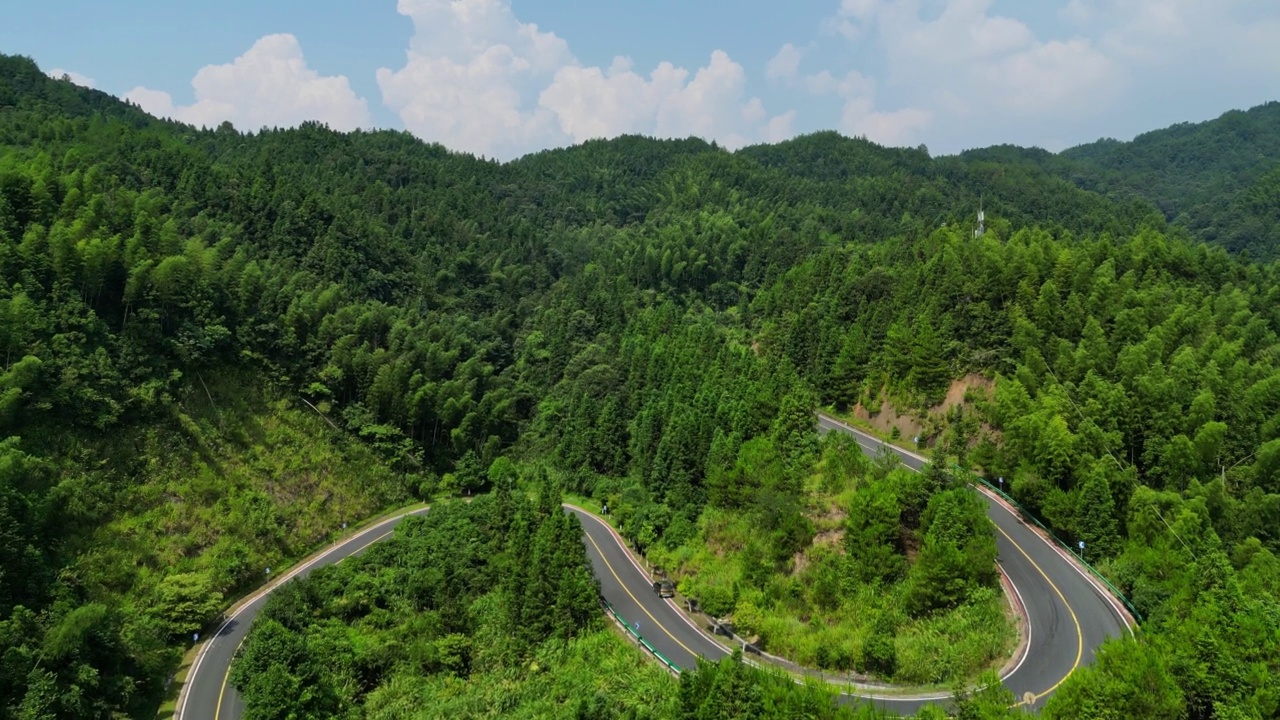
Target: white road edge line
x,y
244,604
613,532
1120,614
1026,650
1105,594
858,436
877,445
716,643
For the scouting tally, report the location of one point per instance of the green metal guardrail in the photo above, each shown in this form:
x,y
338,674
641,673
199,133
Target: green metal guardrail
x,y
640,638
1031,516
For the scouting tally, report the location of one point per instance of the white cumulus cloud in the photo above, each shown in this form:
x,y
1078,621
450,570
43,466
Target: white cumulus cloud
x,y
470,70
784,65
270,85
963,74
978,59
961,70
1226,35
75,77
859,116
477,78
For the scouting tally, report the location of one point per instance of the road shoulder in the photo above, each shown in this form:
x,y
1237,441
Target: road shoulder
x,y
174,706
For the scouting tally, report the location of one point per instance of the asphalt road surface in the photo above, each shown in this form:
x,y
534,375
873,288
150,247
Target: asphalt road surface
x,y
1069,615
208,695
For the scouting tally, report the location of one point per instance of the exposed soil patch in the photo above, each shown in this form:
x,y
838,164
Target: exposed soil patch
x,y
888,418
959,388
832,519
799,563
911,424
830,527
831,538
910,545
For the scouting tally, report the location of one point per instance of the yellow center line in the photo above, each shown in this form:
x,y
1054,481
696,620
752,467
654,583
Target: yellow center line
x,y
217,710
1079,633
1067,605
637,600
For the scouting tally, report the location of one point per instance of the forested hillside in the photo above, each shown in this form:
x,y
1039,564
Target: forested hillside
x,y
222,345
1219,179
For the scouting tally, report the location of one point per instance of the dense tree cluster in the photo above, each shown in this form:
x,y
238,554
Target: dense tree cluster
x,y
471,588
656,320
845,564
1217,179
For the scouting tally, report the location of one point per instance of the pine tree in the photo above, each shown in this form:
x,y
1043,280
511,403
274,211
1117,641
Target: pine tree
x,y
850,367
734,692
793,430
720,476
844,464
608,453
1055,449
1095,516
519,573
930,373
873,537
897,352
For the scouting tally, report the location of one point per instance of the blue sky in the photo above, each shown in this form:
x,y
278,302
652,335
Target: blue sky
x,y
504,77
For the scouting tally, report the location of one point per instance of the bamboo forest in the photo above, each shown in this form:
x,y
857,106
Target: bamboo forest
x,y
226,351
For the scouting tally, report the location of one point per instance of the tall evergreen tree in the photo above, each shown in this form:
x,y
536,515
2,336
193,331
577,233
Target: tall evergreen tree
x,y
1096,515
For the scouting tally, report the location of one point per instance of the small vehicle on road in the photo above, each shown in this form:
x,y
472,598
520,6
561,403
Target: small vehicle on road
x,y
664,588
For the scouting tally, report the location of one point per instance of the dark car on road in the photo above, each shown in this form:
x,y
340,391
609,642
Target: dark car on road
x,y
664,588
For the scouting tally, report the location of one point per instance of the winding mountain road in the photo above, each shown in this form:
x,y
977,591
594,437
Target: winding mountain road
x,y
1069,615
207,692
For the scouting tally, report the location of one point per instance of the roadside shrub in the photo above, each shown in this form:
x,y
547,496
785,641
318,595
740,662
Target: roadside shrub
x,y
716,600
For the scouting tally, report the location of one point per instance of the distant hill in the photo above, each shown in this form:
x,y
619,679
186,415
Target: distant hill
x,y
221,346
26,87
1218,179
1019,185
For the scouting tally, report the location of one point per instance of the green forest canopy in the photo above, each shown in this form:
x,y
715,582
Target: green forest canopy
x,y
1219,179
608,309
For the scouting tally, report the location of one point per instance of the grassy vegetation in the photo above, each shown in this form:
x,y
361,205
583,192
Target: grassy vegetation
x,y
238,482
814,610
848,418
559,680
596,304
482,609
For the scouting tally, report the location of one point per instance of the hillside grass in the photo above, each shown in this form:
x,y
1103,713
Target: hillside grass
x,y
561,678
241,480
814,616
171,519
